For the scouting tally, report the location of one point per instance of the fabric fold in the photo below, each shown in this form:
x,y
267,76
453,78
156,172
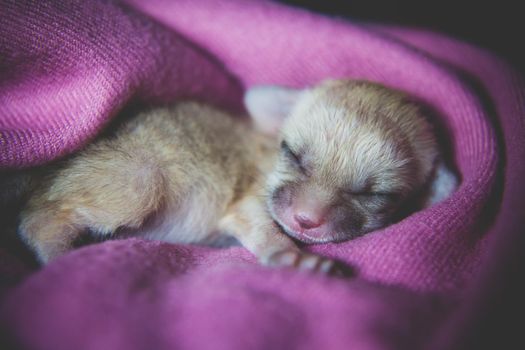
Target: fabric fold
x,y
67,69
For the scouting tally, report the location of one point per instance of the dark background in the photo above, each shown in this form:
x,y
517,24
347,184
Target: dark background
x,y
495,25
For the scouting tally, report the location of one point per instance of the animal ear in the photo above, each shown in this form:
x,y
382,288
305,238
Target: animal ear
x,y
270,105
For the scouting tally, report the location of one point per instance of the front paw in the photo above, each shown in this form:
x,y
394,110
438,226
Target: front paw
x,y
308,262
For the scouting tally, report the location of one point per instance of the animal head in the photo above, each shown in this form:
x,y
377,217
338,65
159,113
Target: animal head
x,y
352,153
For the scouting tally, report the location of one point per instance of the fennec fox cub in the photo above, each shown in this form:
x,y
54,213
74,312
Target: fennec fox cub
x,y
323,164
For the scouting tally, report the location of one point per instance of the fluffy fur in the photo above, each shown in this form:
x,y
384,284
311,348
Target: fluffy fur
x,y
353,154
348,156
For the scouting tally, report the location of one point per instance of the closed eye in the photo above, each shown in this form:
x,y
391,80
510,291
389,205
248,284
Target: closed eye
x,y
389,196
293,157
377,202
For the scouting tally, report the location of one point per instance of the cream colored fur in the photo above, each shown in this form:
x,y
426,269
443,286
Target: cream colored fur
x,y
190,172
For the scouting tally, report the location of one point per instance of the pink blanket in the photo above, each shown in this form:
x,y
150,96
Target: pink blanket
x,y
67,67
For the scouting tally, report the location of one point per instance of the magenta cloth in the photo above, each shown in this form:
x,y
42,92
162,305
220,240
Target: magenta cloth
x,y
66,68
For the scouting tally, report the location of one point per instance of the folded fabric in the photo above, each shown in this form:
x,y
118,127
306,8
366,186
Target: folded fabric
x,y
67,68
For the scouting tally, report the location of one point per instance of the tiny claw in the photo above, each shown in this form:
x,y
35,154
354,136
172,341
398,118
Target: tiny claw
x,y
309,262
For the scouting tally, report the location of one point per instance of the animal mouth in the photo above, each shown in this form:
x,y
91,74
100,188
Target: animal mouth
x,y
304,236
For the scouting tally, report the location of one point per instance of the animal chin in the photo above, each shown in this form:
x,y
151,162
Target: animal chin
x,y
304,237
